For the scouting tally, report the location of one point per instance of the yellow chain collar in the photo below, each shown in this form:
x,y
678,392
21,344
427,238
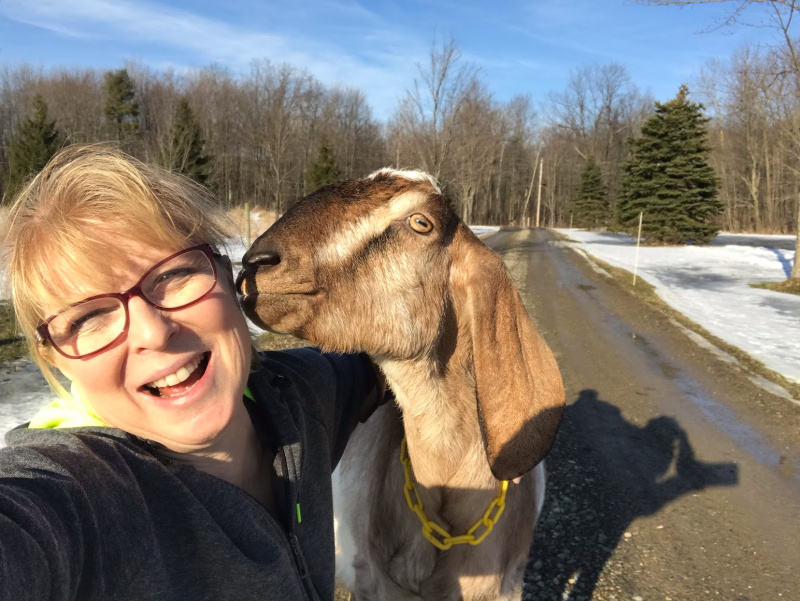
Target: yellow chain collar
x,y
437,535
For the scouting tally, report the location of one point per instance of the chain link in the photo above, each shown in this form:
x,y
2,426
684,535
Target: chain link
x,y
438,536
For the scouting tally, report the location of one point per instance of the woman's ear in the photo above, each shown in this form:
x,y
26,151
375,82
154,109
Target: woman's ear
x,y
519,388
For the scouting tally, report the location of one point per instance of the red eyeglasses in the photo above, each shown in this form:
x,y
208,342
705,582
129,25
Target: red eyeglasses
x,y
90,326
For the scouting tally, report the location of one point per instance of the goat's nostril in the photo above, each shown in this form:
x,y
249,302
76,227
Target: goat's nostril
x,y
265,258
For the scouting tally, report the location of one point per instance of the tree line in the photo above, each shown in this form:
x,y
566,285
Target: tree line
x,y
276,133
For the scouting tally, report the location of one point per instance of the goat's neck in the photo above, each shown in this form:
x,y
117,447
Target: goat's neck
x,y
440,420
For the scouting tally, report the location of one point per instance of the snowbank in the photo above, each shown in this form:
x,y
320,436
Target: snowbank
x,y
710,286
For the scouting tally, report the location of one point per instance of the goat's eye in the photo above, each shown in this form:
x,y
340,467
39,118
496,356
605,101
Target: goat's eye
x,y
419,223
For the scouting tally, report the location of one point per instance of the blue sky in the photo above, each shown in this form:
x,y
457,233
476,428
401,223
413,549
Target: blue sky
x,y
375,45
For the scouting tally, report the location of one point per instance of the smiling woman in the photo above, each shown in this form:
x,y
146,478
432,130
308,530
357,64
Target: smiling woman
x,y
122,488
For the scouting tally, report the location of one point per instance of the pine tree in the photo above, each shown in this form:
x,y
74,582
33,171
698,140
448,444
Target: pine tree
x,y
591,198
185,154
322,170
668,178
121,109
32,145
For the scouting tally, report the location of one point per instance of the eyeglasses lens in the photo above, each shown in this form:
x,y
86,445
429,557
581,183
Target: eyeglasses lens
x,y
180,281
89,326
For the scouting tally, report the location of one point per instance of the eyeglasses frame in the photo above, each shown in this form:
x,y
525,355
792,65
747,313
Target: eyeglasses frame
x,y
43,333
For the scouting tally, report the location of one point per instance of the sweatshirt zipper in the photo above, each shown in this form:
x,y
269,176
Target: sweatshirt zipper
x,y
298,556
294,543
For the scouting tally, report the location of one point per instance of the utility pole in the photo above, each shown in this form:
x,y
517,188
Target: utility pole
x,y
247,224
539,193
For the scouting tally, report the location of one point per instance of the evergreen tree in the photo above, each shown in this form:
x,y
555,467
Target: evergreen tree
x,y
31,146
186,151
322,170
668,178
591,197
121,109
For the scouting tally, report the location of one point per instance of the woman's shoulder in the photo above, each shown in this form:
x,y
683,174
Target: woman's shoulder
x,y
78,453
315,372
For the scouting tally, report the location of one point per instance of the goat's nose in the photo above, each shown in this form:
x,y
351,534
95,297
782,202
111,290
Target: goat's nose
x,y
263,258
252,261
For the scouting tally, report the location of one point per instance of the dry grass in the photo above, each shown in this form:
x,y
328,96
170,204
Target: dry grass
x,y
270,341
260,220
12,346
341,594
787,286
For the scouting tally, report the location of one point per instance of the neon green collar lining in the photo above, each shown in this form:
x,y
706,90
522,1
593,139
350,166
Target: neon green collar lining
x,y
68,412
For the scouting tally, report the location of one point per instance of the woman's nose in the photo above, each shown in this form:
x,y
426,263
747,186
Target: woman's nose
x,y
149,327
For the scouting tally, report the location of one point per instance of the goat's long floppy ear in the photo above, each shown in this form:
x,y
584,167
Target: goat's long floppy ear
x,y
520,393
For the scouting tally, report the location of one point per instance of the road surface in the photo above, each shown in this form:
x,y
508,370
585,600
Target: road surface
x,y
673,477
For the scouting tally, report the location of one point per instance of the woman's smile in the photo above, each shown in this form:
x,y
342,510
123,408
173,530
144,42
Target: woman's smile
x,y
180,380
191,391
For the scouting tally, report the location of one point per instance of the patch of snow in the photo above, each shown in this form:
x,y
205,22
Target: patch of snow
x,y
711,286
703,342
595,267
484,230
23,391
773,388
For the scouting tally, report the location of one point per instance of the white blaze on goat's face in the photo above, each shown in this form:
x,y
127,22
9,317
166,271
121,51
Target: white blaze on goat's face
x,y
344,241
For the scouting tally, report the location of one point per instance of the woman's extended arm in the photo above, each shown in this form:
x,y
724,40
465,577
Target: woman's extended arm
x,y
46,527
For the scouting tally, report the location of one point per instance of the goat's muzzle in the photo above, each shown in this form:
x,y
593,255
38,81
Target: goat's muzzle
x,y
251,263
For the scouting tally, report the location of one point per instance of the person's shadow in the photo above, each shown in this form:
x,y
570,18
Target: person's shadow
x,y
603,473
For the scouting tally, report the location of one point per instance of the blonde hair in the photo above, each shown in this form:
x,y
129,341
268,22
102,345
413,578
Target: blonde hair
x,y
80,216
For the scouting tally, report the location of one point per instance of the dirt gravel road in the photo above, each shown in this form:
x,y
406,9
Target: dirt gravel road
x,y
673,476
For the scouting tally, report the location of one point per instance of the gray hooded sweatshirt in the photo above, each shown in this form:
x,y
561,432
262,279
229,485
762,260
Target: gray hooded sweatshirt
x,y
96,514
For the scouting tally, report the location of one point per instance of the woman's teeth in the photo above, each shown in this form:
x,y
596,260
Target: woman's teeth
x,y
179,376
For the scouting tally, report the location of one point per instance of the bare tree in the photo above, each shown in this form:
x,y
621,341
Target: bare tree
x,y
426,115
477,134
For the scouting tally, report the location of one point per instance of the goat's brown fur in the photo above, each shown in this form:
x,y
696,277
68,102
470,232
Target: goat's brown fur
x,y
479,395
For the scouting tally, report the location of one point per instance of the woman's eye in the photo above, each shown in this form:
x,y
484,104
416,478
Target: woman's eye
x,y
175,274
91,320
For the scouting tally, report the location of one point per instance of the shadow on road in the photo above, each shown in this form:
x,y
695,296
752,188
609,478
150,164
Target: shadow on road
x,y
603,473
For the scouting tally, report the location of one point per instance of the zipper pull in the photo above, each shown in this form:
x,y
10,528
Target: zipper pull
x,y
298,554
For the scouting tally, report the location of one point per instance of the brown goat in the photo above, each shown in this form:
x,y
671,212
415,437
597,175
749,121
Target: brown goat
x,y
383,265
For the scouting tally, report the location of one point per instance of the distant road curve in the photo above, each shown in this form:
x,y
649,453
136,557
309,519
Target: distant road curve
x,y
782,242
